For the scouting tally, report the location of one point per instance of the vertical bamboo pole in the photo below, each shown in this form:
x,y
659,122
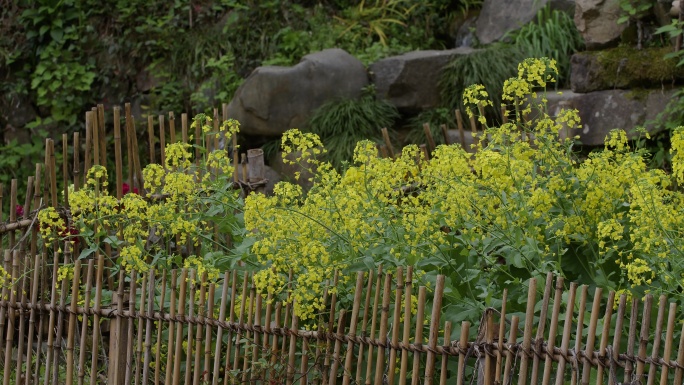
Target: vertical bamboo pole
x,y
32,318
256,343
71,327
591,337
147,360
643,337
162,140
529,319
138,354
668,342
388,142
99,277
179,332
12,211
267,332
184,128
567,326
679,372
208,336
445,134
331,325
395,326
201,315
578,339
150,138
539,339
634,314
103,134
191,312
420,319
77,161
231,318
294,326
444,369
130,342
274,345
7,265
462,347
553,329
364,323
504,114
84,325
172,128
248,335
346,379
655,350
157,353
117,152
42,316
434,330
198,141
374,319
117,354
605,334
219,332
380,359
65,169
338,347
172,329
509,354
10,319
96,136
87,160
60,318
240,325
428,135
617,336
461,131
500,342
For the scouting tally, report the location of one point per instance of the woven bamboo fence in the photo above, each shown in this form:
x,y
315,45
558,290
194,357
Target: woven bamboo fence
x,y
173,327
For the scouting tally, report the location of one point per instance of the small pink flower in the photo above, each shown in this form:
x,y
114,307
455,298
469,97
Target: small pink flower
x,y
19,210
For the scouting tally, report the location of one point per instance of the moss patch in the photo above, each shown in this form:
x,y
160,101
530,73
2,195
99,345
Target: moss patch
x,y
627,66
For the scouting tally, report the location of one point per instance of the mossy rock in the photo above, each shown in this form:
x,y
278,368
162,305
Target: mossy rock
x,y
623,67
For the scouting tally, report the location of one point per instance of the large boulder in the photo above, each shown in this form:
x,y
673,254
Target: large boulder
x,y
498,17
603,111
411,81
622,67
274,99
597,20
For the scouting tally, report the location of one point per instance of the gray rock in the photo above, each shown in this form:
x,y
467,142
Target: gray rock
x,y
15,113
596,20
603,111
274,99
498,17
622,67
411,81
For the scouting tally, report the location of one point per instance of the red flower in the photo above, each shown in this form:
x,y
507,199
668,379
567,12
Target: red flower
x,y
126,189
19,210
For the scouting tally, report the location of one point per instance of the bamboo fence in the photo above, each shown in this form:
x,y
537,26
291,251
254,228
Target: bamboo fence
x,y
173,327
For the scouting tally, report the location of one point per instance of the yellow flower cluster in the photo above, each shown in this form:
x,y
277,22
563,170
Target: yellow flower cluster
x,y
477,97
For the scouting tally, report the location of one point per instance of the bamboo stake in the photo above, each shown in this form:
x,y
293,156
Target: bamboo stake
x,y
407,325
668,342
200,330
84,325
136,158
96,317
656,340
374,319
380,359
42,315
604,335
291,354
578,339
10,319
238,336
643,338
504,114
71,328
151,281
331,325
420,319
591,337
428,135
162,140
256,322
170,367
129,340
191,312
461,131
179,332
96,137
5,295
364,323
231,318
184,128
679,372
88,143
150,137
274,345
500,342
629,366
352,329
434,330
32,318
489,339
395,326
338,347
509,354
138,354
129,143
65,169
209,334
529,318
77,161
539,339
553,328
445,356
617,335
388,142
117,152
157,353
463,346
103,134
172,128
219,332
567,326
12,211
60,318
445,134
53,173
267,331
198,142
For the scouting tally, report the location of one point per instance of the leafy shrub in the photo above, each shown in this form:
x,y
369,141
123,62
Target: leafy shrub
x,y
522,206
